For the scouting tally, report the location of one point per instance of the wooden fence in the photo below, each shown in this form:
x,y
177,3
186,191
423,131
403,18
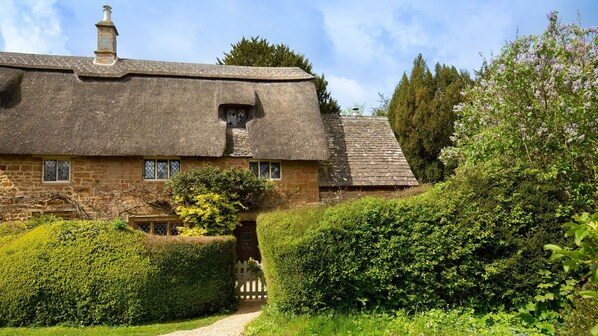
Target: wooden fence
x,y
250,284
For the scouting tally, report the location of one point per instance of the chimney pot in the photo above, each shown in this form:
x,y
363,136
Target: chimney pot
x,y
107,13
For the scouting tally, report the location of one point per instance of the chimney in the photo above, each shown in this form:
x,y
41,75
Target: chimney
x,y
106,52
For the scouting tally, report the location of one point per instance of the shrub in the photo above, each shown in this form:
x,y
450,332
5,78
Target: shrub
x,y
476,241
195,276
535,107
88,272
208,214
580,316
209,199
239,185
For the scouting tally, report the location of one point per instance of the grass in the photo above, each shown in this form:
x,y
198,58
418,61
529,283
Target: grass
x,y
140,330
434,322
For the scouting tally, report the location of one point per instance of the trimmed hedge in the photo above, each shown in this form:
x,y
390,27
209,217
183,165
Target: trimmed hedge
x,y
476,241
87,272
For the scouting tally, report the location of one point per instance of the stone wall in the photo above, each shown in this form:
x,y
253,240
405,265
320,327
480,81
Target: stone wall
x,y
109,187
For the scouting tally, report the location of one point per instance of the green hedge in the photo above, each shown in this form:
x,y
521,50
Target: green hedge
x,y
87,272
476,241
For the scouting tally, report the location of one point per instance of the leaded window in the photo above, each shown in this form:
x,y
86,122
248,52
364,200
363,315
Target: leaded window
x,y
236,117
56,170
158,228
266,169
161,229
145,227
160,169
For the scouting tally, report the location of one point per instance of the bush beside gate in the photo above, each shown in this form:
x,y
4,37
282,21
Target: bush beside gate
x,y
88,272
476,241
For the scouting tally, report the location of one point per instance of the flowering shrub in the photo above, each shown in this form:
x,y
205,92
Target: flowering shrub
x,y
536,107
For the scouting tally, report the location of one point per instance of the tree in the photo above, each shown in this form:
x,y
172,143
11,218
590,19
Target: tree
x,y
257,51
382,109
536,108
421,115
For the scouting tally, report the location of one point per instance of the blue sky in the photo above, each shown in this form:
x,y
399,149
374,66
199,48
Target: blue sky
x,y
363,47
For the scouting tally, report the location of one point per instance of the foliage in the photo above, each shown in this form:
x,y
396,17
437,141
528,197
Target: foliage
x,y
544,311
475,241
209,199
88,272
239,185
119,224
433,322
138,330
421,115
356,109
585,233
208,214
258,51
195,276
536,107
580,316
382,109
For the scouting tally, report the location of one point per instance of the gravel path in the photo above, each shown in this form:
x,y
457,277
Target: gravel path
x,y
228,326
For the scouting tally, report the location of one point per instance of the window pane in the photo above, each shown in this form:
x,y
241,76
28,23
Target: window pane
x,y
231,117
145,227
254,168
149,170
162,169
241,118
160,229
49,170
175,166
63,170
275,170
265,169
174,229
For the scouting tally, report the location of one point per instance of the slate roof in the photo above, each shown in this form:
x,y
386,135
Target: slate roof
x,y
363,153
63,105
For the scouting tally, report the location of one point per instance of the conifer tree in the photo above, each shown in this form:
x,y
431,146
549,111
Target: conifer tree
x,y
421,115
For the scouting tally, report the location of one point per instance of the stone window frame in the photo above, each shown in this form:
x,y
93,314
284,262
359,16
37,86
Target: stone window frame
x,y
135,221
156,159
259,164
56,159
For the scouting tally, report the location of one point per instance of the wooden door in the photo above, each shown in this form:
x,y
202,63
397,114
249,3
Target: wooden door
x,y
247,246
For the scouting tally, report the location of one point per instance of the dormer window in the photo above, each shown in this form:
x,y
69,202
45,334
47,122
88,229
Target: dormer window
x,y
236,116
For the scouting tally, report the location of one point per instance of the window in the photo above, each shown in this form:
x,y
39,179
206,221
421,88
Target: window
x,y
158,228
236,116
160,169
265,169
57,170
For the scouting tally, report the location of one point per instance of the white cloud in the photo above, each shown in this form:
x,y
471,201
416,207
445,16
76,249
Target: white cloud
x,y
31,26
349,92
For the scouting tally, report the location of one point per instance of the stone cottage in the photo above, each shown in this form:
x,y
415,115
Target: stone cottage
x,y
97,137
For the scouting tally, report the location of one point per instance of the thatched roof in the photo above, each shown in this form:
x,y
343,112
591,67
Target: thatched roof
x,y
363,153
61,105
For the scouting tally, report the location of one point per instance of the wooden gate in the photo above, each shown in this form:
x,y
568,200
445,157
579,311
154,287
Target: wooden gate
x,y
251,283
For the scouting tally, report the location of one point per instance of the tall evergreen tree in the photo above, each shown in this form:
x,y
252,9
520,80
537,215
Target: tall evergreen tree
x,y
421,115
258,51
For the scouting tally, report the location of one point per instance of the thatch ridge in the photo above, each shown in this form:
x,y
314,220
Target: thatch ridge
x,y
85,67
